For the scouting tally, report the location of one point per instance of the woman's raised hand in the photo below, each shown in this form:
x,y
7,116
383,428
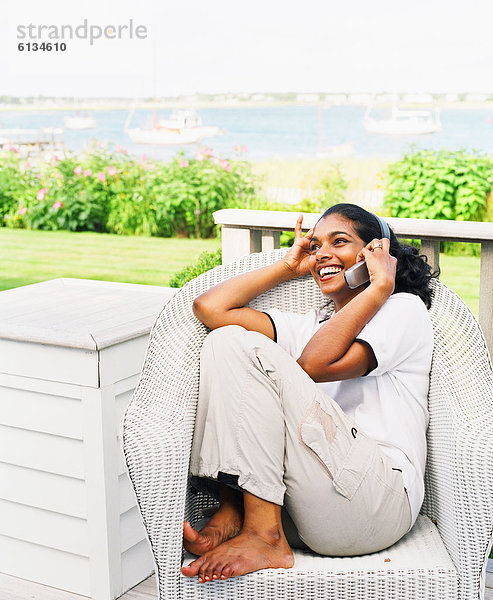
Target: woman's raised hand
x,y
380,263
298,257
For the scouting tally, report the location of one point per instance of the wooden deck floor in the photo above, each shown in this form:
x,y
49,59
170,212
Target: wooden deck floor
x,y
12,588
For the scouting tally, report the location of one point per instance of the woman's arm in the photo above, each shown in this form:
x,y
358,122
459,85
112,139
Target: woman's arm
x,y
356,362
332,353
225,303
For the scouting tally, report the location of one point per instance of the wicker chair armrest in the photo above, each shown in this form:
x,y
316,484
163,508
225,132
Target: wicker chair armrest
x,y
158,463
463,501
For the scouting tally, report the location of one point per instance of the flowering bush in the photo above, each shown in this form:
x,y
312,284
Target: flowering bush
x,y
110,191
18,184
193,189
133,192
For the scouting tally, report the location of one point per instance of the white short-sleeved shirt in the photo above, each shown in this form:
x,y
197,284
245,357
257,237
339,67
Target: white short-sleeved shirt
x,y
390,403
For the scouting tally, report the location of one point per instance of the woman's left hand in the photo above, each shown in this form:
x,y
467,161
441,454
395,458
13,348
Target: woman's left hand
x,y
381,265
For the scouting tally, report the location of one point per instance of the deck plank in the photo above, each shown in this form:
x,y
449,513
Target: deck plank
x,y
147,590
489,584
149,585
12,588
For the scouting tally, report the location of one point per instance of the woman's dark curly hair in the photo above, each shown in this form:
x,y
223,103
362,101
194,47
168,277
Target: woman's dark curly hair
x,y
413,273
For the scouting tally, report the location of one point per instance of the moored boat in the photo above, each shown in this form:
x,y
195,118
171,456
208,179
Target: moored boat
x,y
80,121
183,127
404,122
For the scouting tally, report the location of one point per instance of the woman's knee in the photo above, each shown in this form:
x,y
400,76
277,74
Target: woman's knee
x,y
223,339
232,344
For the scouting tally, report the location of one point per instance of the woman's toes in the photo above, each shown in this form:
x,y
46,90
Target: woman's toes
x,y
202,573
210,571
226,572
212,568
217,573
193,568
201,577
189,533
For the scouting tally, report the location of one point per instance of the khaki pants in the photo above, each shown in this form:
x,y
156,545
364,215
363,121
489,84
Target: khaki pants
x,y
264,426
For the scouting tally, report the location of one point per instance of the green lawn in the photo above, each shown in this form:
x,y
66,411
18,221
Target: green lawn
x,y
32,256
461,273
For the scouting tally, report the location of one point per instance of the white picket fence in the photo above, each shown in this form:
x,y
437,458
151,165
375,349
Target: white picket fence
x,y
372,199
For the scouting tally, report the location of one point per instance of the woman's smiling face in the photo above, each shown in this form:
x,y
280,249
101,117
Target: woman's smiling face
x,y
334,247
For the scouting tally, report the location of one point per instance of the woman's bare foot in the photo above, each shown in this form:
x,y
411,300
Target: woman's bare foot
x,y
247,552
223,525
208,538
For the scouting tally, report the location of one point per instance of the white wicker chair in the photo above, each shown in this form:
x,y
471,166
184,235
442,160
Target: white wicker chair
x,y
444,555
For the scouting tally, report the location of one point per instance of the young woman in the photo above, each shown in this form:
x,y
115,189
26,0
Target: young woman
x,y
317,440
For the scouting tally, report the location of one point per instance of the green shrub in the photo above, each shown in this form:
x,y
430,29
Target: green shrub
x,y
66,200
104,190
432,184
194,188
134,197
205,262
460,248
73,193
18,183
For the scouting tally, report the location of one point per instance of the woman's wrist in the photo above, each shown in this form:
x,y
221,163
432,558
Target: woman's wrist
x,y
380,290
287,272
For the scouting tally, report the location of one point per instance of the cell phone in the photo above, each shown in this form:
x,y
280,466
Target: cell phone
x,y
358,274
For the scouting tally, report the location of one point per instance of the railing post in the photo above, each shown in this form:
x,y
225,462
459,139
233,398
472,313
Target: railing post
x,y
271,240
431,249
486,293
239,241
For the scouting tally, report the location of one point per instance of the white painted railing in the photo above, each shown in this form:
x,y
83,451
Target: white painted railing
x,y
246,231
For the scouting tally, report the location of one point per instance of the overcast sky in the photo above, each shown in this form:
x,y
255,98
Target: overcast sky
x,y
218,46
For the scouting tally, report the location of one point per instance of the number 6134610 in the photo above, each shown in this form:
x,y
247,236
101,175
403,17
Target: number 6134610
x,y
43,47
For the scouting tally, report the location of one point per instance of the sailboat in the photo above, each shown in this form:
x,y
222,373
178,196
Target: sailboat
x,y
182,127
404,122
79,120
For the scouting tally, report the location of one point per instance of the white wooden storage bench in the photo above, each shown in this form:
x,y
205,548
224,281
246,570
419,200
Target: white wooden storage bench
x,y
70,356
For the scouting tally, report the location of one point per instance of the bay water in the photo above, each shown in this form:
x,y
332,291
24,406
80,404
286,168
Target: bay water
x,y
270,132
